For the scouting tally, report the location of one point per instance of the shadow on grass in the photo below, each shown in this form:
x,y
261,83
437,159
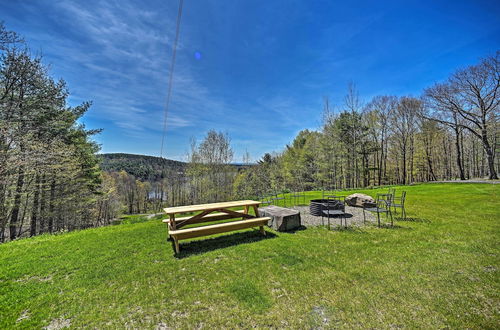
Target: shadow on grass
x,y
349,229
389,226
220,242
293,231
412,219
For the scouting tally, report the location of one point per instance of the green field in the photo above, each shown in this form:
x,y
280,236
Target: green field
x,y
440,268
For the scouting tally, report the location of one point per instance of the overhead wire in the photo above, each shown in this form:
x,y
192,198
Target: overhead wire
x,y
171,75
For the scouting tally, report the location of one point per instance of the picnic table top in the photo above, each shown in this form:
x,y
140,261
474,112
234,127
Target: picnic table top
x,y
210,206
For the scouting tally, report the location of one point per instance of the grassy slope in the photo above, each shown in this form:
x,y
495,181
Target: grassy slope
x,y
441,269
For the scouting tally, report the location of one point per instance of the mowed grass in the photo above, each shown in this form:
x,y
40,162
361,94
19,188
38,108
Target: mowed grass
x,y
440,268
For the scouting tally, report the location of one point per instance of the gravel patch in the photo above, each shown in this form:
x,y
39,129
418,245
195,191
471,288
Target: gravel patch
x,y
354,216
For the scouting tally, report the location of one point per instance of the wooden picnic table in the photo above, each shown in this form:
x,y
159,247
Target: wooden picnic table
x,y
212,212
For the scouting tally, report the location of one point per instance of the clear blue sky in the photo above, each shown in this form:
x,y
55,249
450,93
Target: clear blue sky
x,y
258,70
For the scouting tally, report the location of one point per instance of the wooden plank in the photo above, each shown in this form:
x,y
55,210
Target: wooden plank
x,y
218,228
208,217
236,214
193,219
210,206
224,216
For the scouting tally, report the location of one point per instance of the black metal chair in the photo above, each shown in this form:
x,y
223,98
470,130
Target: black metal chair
x,y
275,198
293,197
336,198
328,210
382,205
399,202
265,200
392,191
325,193
385,196
297,196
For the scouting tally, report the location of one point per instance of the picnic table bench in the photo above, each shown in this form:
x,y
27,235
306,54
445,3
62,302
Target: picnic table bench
x,y
212,212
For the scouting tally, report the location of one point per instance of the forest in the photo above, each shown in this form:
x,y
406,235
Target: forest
x,y
144,168
53,179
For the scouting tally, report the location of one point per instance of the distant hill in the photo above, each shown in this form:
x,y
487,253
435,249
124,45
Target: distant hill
x,y
146,168
143,167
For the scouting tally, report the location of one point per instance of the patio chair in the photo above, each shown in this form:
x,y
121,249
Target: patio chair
x,y
329,213
336,197
265,200
391,191
275,198
381,206
297,196
399,202
325,193
385,196
293,196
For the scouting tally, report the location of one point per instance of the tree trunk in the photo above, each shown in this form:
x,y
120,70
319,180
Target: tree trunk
x,y
14,218
459,154
429,161
43,207
491,156
51,205
404,164
410,177
34,212
491,165
380,164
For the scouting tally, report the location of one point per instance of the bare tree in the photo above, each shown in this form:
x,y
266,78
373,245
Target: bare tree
x,y
353,105
209,168
404,123
380,111
246,158
8,38
470,100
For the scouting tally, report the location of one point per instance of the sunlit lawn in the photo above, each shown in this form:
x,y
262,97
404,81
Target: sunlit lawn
x,y
440,268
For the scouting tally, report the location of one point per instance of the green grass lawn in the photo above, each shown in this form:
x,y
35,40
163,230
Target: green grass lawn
x,y
440,268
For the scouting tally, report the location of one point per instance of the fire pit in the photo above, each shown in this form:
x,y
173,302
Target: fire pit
x,y
317,206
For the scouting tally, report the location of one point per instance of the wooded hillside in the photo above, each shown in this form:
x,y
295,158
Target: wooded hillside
x,y
145,168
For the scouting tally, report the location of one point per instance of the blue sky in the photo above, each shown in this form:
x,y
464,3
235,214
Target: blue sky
x,y
264,67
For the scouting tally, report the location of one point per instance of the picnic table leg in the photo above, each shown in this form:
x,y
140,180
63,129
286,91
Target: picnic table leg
x,y
177,249
256,210
169,238
172,221
245,211
262,231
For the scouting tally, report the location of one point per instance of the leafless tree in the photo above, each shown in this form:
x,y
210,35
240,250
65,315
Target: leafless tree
x,y
404,126
379,113
470,100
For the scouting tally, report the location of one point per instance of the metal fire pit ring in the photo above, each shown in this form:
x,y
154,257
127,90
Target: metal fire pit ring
x,y
317,206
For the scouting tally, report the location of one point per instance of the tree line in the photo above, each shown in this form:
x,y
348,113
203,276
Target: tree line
x,y
49,174
387,140
449,132
52,178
